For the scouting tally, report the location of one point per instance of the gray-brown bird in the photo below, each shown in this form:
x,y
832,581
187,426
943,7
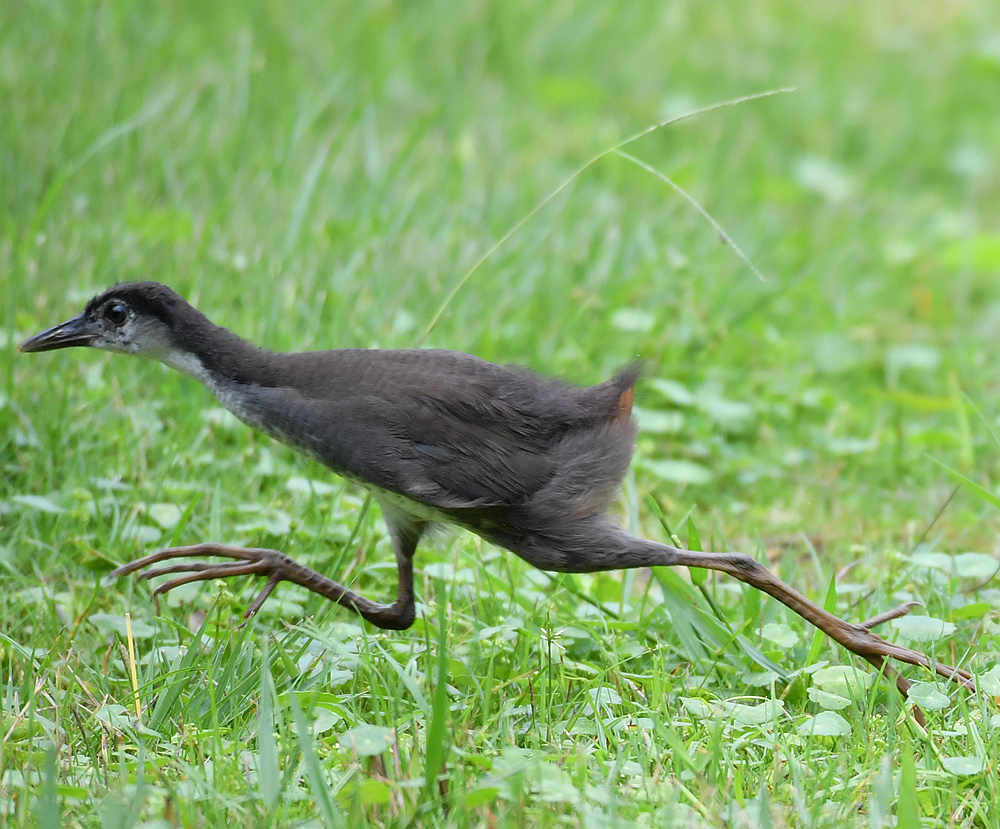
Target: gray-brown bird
x,y
528,463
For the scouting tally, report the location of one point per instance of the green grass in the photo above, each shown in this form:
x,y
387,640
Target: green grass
x,y
322,174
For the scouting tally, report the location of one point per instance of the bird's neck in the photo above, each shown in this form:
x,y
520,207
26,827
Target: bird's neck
x,y
218,357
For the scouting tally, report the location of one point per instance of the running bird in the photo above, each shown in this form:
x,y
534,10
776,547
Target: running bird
x,y
528,463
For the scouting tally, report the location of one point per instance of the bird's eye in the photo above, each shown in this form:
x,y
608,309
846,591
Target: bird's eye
x,y
116,312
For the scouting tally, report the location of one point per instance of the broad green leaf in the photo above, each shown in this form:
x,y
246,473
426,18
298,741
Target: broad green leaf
x,y
142,533
696,707
273,522
308,486
978,566
833,702
657,422
114,714
963,766
990,681
554,785
976,610
42,503
824,177
671,390
910,356
324,719
825,724
632,320
481,796
678,471
742,714
760,679
933,560
166,515
447,571
366,740
922,628
108,623
781,634
843,680
375,792
605,696
927,695
731,413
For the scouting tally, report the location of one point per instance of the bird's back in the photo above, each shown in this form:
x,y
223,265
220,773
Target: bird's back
x,y
452,431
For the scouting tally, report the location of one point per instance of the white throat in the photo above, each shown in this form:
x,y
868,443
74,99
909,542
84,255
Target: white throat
x,y
187,363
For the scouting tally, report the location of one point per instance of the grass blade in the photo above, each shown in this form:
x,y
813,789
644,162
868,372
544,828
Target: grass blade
x,y
829,604
314,773
47,805
437,747
708,217
907,811
267,750
977,488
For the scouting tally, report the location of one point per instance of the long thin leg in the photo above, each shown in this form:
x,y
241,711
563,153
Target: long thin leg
x,y
597,544
856,638
279,567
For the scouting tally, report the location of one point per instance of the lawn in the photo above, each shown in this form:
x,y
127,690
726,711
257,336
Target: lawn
x,y
317,175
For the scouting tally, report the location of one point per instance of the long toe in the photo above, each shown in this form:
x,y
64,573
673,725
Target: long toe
x,y
258,561
873,647
959,675
220,572
207,549
176,552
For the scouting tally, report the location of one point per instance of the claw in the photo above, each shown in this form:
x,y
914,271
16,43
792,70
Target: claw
x,y
261,598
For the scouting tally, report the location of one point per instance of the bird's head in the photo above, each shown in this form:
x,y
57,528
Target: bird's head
x,y
132,318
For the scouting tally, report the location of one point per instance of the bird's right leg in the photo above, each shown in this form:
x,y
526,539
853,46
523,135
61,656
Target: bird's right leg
x,y
856,638
279,567
598,545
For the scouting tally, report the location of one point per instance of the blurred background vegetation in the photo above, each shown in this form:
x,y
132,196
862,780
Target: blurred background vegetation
x,y
316,175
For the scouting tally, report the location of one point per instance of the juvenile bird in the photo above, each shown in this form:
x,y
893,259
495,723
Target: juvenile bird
x,y
528,463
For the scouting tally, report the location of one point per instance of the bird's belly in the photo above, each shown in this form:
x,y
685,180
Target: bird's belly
x,y
400,502
254,416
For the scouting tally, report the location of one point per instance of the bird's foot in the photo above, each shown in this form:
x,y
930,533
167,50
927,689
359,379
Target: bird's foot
x,y
249,561
876,650
260,561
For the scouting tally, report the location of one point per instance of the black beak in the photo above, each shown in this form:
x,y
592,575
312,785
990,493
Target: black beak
x,y
76,331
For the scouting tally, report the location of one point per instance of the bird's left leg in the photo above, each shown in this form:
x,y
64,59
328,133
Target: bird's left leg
x,y
279,567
